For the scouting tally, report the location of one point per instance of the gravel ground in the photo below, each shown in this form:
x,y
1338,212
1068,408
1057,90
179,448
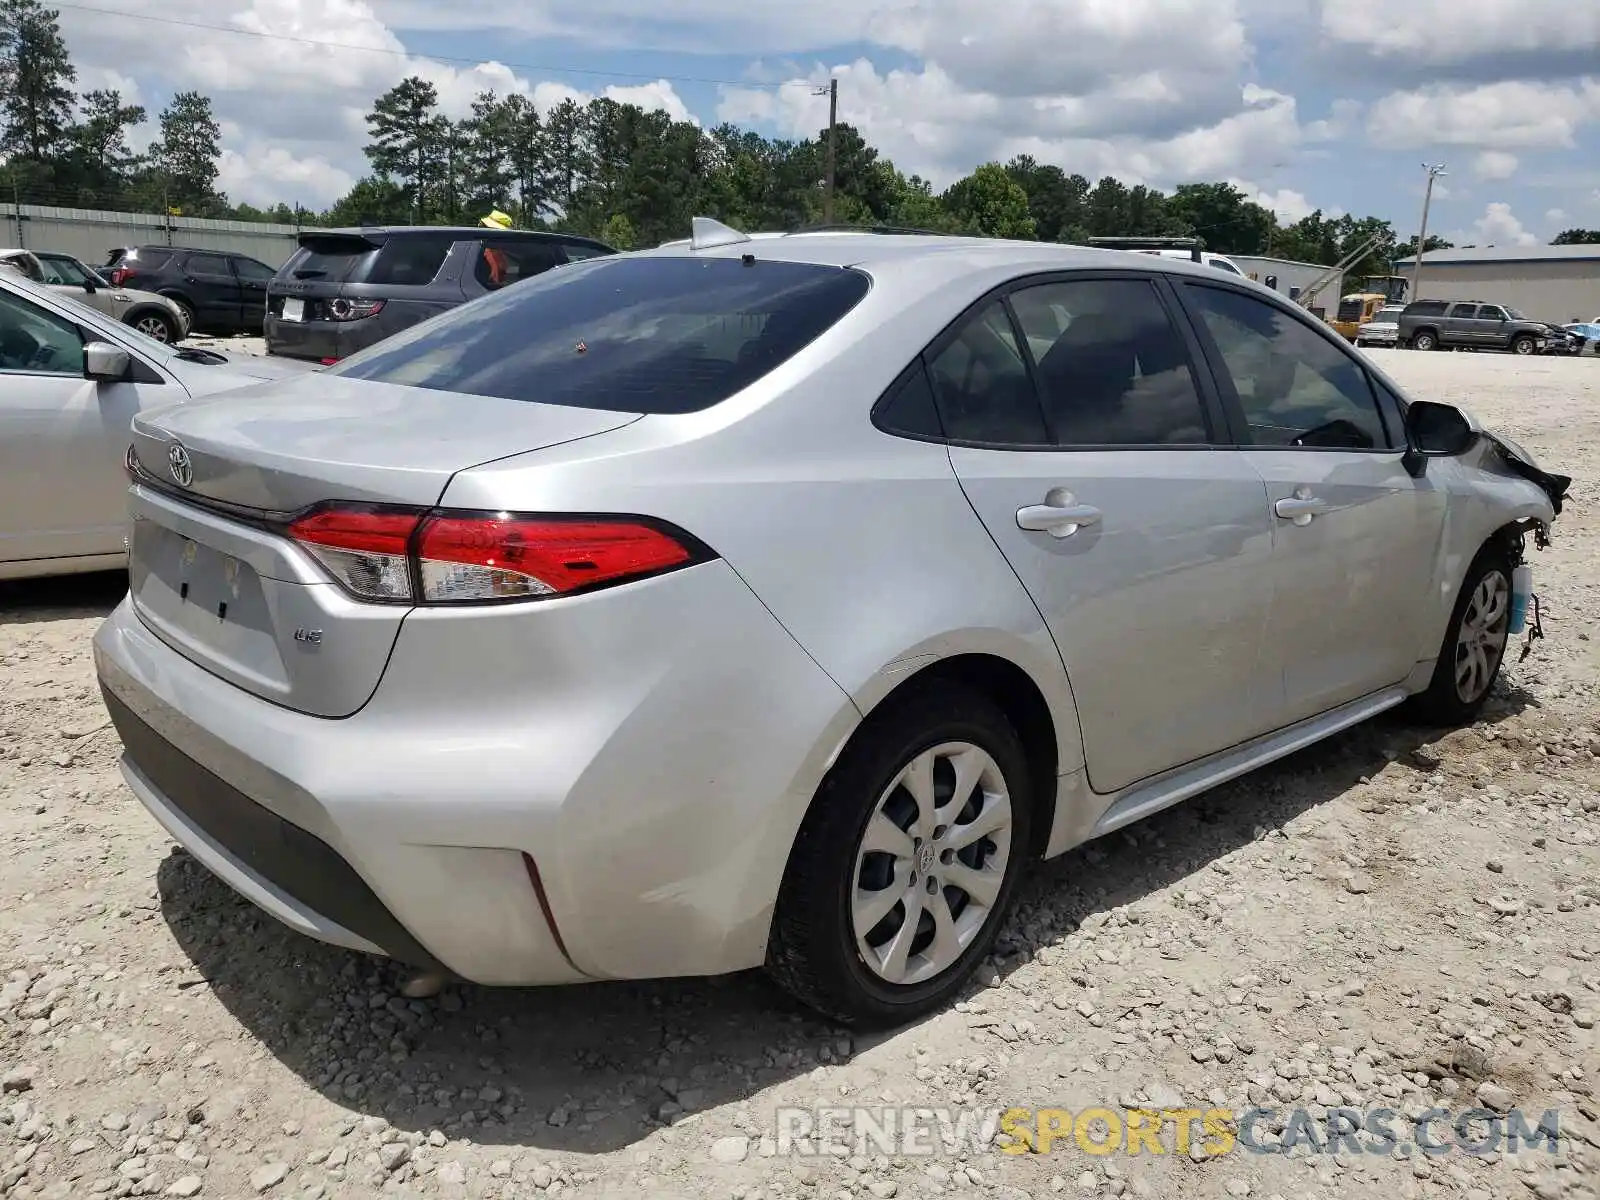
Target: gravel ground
x,y
1393,918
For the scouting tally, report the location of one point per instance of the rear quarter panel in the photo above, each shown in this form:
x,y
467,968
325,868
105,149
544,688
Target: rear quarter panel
x,y
861,544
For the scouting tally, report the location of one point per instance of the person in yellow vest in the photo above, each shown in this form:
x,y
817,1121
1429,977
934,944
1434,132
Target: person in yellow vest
x,y
495,259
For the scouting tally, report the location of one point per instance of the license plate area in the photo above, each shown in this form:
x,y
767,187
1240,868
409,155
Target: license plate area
x,y
294,309
210,605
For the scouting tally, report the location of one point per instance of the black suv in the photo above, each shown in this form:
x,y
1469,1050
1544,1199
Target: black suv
x,y
345,289
220,291
1470,325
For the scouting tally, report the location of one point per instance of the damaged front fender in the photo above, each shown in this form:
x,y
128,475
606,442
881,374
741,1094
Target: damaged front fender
x,y
1512,458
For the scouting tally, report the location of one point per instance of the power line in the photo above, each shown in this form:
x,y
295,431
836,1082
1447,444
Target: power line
x,y
444,58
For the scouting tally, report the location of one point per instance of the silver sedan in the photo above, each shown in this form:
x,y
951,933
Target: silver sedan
x,y
71,380
782,600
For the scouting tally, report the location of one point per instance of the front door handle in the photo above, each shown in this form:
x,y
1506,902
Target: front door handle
x,y
1060,515
1300,508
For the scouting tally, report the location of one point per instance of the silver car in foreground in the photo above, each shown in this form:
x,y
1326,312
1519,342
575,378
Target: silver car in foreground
x,y
71,380
780,601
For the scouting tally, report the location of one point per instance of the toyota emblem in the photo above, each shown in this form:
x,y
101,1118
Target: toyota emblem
x,y
180,466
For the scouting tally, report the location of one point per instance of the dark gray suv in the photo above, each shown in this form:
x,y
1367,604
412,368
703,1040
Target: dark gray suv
x,y
345,289
1470,325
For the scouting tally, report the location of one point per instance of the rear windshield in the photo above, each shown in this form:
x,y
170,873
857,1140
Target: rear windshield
x,y
646,335
149,257
399,261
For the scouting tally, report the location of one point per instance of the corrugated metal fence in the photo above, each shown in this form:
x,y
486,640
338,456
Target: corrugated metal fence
x,y
91,235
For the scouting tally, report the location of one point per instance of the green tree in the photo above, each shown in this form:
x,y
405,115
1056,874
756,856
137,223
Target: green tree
x,y
187,154
407,145
569,159
992,203
1056,200
618,233
1222,216
1576,237
1354,233
36,78
373,201
1408,248
102,160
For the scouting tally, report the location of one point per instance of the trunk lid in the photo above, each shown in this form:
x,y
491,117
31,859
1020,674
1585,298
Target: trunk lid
x,y
282,445
212,578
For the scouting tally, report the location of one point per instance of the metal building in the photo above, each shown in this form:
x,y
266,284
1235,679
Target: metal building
x,y
1290,275
1547,283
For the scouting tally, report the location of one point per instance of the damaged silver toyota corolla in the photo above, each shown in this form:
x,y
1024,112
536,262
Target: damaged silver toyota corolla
x,y
780,600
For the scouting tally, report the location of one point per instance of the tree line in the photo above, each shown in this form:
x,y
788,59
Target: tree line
x,y
613,171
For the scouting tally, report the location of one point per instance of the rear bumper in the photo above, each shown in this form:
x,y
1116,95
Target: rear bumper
x,y
294,875
651,751
315,340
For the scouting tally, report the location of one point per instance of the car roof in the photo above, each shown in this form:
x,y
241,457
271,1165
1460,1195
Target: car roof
x,y
455,230
950,254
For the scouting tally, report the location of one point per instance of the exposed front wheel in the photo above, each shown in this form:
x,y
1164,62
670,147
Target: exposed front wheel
x,y
1474,644
906,864
157,325
1425,341
1522,345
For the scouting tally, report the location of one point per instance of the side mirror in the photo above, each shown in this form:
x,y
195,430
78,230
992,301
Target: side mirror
x,y
88,286
1437,431
106,363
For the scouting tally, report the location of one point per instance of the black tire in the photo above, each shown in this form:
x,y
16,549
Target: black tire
x,y
147,321
1425,339
1522,345
812,952
189,317
1444,703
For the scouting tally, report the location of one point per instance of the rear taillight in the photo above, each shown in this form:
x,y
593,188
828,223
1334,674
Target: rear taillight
x,y
366,548
120,277
353,310
445,557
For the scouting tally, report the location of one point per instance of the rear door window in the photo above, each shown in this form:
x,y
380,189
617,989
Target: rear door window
x,y
645,335
249,268
410,261
504,261
1112,369
208,264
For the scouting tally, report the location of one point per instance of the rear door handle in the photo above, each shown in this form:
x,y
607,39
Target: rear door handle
x,y
1300,509
1059,516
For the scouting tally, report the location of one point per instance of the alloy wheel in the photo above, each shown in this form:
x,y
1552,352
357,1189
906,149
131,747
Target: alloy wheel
x,y
931,863
1481,641
153,327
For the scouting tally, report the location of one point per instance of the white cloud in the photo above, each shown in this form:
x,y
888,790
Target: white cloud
x,y
1286,204
1499,226
1424,33
1509,115
1343,116
292,111
1494,164
1556,215
928,125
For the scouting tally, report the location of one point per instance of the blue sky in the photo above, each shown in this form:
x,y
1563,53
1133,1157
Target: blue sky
x,y
1304,103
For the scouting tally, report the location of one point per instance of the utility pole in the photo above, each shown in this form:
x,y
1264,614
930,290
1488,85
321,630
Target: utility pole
x,y
1434,171
832,92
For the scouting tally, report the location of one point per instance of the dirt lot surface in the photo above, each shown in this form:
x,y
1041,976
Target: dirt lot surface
x,y
1395,919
